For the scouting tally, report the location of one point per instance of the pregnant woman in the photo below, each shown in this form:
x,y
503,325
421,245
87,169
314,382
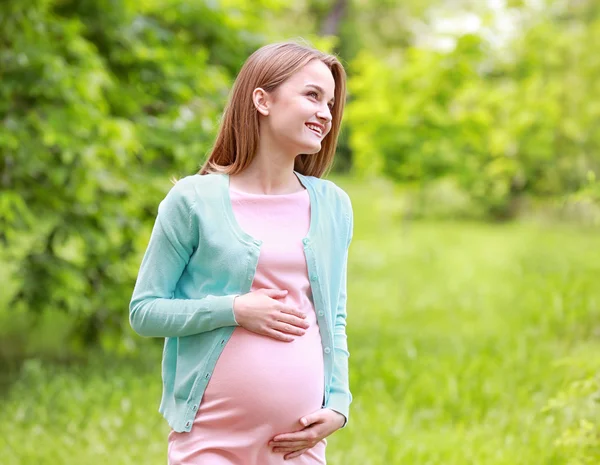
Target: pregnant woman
x,y
245,274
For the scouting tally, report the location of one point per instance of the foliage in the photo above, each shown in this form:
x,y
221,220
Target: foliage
x,y
101,100
453,331
578,404
497,124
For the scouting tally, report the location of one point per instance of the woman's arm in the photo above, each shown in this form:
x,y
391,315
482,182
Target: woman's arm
x,y
152,311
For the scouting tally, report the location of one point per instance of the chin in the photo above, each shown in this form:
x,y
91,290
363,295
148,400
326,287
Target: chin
x,y
312,149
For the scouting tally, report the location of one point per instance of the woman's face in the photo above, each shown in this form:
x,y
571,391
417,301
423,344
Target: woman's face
x,y
299,110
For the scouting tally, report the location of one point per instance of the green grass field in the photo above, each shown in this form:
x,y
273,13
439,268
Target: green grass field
x,y
459,333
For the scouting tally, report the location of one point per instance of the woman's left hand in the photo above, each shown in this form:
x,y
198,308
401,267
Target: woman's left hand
x,y
317,426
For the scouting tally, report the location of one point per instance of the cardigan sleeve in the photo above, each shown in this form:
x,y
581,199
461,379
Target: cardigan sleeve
x,y
340,397
153,312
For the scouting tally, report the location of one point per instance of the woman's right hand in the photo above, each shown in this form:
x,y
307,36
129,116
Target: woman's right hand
x,y
261,313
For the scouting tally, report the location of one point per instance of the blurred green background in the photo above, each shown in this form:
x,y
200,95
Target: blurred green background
x,y
470,149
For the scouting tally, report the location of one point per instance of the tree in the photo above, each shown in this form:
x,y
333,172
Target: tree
x,y
101,100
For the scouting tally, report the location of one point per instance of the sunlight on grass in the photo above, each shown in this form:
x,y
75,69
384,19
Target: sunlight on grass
x,y
456,334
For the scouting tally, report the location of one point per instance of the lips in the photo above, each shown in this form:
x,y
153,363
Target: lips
x,y
315,128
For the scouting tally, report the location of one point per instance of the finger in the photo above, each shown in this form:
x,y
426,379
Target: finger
x,y
293,320
295,454
294,445
273,293
312,418
292,311
278,335
280,294
304,435
291,449
288,329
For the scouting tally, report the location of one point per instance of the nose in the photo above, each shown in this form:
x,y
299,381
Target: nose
x,y
324,115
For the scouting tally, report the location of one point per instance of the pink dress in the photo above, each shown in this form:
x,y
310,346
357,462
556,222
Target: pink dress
x,y
261,387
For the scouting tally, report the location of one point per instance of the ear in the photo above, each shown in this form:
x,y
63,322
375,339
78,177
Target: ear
x,y
261,100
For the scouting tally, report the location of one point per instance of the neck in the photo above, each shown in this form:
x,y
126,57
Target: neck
x,y
271,172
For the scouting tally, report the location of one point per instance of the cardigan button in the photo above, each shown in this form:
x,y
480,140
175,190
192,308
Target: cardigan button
x,y
321,313
327,350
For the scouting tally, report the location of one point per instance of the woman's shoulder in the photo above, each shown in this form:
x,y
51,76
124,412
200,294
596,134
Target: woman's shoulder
x,y
197,181
194,191
331,191
197,184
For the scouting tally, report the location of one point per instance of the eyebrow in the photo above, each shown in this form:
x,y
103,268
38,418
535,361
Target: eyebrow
x,y
320,89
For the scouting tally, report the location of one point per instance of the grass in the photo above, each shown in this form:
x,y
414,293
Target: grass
x,y
457,331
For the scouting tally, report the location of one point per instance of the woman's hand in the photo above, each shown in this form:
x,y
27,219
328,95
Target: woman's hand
x,y
317,426
260,313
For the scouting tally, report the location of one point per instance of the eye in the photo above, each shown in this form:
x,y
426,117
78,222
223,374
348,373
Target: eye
x,y
316,95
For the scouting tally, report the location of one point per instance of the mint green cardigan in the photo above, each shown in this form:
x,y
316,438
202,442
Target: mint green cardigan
x,y
198,259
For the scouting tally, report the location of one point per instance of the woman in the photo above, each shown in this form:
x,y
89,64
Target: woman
x,y
245,274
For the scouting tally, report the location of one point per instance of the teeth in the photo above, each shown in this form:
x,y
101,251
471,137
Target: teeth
x,y
315,128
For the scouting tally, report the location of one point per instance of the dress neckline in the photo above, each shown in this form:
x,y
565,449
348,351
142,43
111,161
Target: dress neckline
x,y
251,194
243,235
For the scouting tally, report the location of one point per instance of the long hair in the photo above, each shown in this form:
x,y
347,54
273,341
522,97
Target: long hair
x,y
268,67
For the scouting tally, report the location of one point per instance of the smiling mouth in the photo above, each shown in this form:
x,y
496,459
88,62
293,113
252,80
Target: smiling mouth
x,y
315,130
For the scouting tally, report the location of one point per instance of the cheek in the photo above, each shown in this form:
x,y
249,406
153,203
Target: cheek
x,y
307,109
288,126
293,117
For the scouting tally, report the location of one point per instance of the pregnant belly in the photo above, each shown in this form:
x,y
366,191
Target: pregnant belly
x,y
261,381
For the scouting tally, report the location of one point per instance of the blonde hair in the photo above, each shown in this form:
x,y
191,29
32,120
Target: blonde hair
x,y
268,67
